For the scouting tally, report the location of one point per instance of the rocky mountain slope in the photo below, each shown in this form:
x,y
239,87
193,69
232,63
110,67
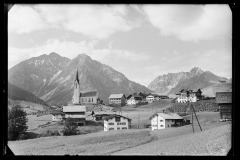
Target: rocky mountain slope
x,y
173,82
51,78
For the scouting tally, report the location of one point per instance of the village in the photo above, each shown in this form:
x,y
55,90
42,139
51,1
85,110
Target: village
x,y
82,101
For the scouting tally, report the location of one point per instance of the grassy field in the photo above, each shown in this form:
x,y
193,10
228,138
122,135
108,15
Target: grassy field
x,y
215,139
94,143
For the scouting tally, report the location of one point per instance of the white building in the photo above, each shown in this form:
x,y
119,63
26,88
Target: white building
x,y
116,122
150,98
190,96
119,99
134,99
57,116
163,120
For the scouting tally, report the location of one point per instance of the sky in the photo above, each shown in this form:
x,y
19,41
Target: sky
x,y
140,41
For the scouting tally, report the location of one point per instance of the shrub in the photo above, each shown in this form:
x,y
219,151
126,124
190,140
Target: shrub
x,y
70,128
22,136
17,123
49,133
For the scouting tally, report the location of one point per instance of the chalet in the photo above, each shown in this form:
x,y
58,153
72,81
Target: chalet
x,y
224,100
134,99
182,97
118,99
164,120
116,122
57,115
77,112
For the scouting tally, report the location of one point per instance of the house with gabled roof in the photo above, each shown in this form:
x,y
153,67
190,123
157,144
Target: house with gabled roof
x,y
57,115
118,99
134,99
165,120
116,122
224,101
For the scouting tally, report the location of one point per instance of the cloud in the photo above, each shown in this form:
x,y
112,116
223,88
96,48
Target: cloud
x,y
96,21
24,19
71,49
191,22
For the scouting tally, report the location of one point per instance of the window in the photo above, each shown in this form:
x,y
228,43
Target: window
x,y
111,129
172,120
124,127
161,120
161,125
118,128
117,119
110,123
92,99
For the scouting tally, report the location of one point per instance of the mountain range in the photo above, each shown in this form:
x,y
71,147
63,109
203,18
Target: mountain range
x,y
172,83
50,77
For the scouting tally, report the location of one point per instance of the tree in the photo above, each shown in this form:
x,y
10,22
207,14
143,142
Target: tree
x,y
70,127
17,122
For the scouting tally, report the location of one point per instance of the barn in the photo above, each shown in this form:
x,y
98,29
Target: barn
x,y
224,101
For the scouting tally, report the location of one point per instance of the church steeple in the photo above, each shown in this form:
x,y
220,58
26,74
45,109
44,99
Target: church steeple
x,y
76,94
76,78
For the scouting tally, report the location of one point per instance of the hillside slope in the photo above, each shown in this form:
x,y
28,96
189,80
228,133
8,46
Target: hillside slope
x,y
16,93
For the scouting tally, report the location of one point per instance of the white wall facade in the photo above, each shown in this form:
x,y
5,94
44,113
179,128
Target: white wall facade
x,y
76,93
111,124
150,98
182,99
56,118
158,122
132,102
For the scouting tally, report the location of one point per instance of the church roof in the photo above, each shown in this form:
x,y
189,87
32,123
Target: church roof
x,y
89,94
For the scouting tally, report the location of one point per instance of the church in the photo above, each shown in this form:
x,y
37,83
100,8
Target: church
x,y
89,97
77,110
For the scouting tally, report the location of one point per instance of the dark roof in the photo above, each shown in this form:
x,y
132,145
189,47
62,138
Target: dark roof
x,y
134,96
89,94
223,97
114,115
56,112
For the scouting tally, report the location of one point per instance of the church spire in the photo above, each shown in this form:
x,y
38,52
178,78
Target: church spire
x,y
76,79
